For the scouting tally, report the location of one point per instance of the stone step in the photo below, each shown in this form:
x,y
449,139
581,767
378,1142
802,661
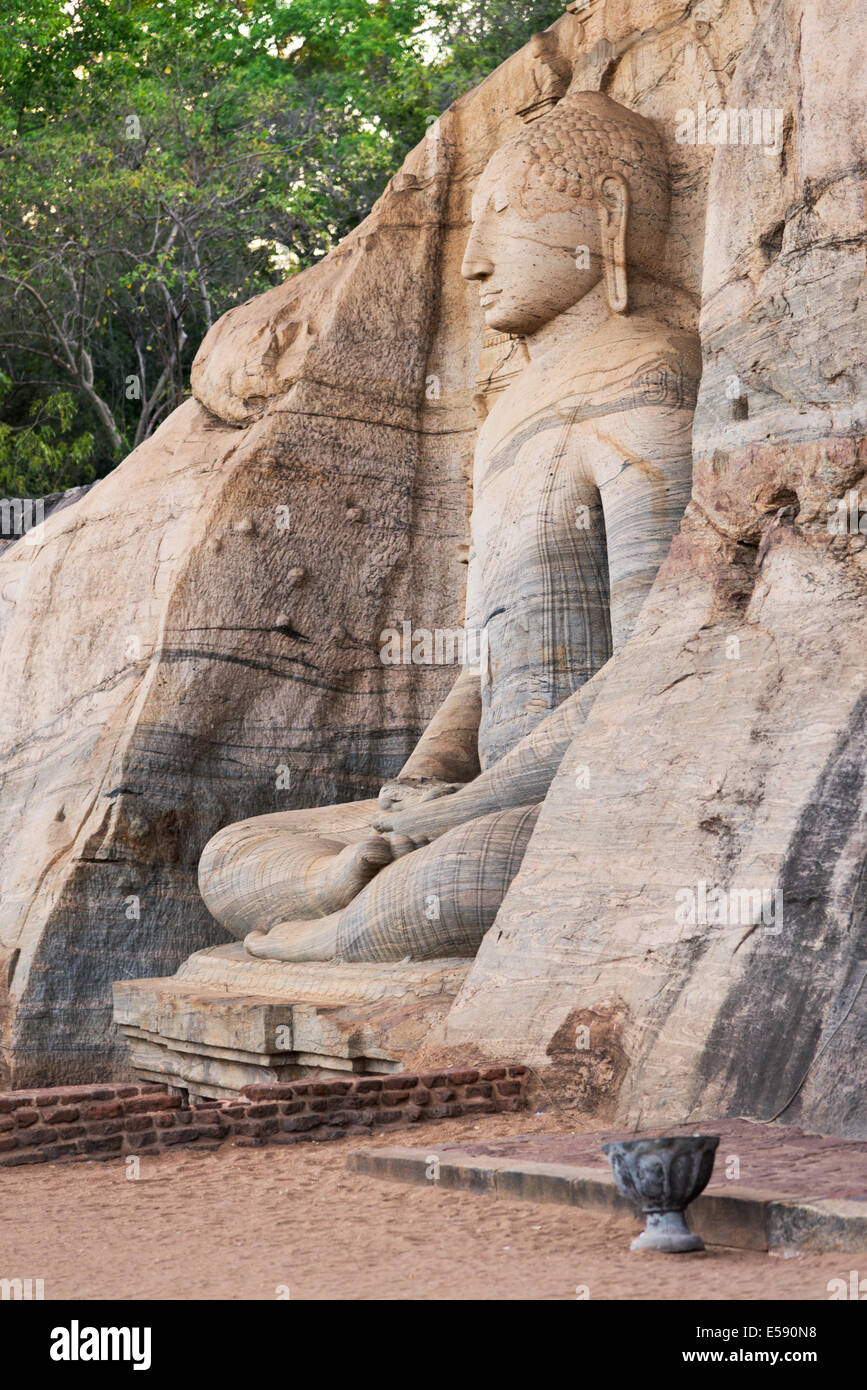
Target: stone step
x,y
747,1219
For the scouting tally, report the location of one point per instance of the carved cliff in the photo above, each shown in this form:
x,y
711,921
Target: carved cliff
x,y
725,750
174,654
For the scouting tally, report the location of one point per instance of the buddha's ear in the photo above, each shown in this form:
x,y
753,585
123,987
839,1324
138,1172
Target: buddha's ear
x,y
612,195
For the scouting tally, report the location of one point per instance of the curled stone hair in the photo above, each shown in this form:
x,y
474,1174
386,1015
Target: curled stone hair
x,y
586,134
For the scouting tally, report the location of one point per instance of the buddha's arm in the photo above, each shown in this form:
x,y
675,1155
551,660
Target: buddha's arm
x,y
448,750
643,469
641,463
447,754
521,778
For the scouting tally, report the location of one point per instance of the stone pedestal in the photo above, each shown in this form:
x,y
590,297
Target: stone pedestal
x,y
225,1020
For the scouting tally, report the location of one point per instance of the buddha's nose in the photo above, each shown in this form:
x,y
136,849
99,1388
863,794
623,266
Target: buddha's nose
x,y
476,265
477,270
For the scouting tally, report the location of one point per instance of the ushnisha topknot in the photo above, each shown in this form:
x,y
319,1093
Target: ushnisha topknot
x,y
584,135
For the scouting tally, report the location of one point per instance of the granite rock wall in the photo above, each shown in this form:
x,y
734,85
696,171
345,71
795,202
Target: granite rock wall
x,y
703,948
179,653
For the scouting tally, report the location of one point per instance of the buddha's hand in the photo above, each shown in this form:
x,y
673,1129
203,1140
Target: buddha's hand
x,y
400,819
399,794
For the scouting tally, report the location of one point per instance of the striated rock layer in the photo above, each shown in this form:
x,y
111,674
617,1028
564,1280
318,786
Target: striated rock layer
x,y
702,949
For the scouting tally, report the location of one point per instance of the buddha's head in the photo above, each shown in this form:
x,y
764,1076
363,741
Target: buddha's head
x,y
590,174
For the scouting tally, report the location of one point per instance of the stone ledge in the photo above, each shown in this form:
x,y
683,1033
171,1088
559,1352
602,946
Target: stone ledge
x,y
747,1219
114,1121
219,1024
230,967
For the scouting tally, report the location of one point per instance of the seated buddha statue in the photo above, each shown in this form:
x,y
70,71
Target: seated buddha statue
x,y
582,471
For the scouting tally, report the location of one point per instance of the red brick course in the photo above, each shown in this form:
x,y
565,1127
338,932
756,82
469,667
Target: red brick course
x,y
114,1121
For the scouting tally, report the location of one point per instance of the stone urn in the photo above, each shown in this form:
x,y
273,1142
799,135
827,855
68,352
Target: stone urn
x,y
661,1177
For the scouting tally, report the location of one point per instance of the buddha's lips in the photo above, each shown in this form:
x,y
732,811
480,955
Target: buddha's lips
x,y
488,296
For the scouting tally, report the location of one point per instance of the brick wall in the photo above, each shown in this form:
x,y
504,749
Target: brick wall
x,y
103,1122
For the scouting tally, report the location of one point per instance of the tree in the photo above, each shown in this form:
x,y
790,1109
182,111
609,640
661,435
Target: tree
x,y
163,161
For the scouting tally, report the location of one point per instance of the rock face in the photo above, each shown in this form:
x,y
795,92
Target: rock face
x,y
172,649
581,474
167,650
198,637
23,516
702,950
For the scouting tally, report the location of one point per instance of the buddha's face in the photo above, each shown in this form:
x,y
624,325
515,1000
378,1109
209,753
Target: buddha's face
x,y
525,256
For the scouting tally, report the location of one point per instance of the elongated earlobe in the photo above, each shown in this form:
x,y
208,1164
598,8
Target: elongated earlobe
x,y
612,193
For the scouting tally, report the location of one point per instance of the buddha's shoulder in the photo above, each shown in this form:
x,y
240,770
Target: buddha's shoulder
x,y
635,361
640,341
631,362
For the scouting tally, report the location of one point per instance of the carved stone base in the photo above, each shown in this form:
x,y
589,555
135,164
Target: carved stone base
x,y
226,1021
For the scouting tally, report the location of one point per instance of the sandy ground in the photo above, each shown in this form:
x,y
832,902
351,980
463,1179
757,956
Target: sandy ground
x,y
254,1223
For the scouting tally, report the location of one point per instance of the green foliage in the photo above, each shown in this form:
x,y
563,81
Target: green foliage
x,y
165,160
49,452
477,37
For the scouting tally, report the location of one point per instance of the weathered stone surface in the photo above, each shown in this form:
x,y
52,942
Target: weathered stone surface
x,y
208,1031
581,474
724,744
166,649
164,667
23,516
727,741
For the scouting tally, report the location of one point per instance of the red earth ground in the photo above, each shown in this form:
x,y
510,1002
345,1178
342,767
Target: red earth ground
x,y
267,1223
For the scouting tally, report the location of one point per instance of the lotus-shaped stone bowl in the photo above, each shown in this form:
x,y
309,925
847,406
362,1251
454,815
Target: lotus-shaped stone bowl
x,y
661,1177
